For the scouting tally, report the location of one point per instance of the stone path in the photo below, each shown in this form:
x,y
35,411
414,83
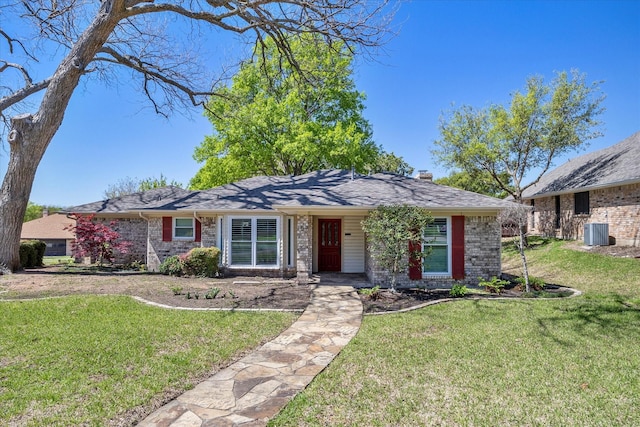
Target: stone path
x,y
251,391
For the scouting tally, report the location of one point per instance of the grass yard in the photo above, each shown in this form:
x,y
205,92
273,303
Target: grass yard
x,y
569,362
107,360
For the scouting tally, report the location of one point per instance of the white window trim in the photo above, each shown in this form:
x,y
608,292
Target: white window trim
x,y
193,227
220,240
425,274
254,232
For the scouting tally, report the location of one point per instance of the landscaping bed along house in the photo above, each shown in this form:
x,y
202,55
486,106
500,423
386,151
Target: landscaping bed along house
x,y
233,292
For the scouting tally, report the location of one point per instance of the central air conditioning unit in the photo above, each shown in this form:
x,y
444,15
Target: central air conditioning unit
x,y
596,234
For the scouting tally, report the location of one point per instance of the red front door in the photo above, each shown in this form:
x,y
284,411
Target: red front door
x,y
329,251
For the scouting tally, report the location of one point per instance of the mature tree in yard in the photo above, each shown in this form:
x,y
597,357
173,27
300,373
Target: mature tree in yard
x,y
269,121
542,123
96,239
389,162
477,181
130,185
157,43
394,237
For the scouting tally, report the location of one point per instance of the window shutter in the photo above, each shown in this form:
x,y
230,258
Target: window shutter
x,y
198,230
415,263
457,247
167,228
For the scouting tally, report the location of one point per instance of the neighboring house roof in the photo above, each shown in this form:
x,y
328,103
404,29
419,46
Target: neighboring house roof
x,y
321,189
48,228
615,165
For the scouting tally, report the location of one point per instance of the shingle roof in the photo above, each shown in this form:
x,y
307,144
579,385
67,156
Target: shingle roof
x,y
48,227
322,189
611,166
166,198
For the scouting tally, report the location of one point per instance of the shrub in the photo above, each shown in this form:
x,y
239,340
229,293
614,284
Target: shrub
x,y
202,262
32,253
371,293
493,285
536,283
172,266
458,290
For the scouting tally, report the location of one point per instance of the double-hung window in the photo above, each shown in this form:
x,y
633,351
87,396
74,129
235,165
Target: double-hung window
x,y
437,245
183,229
254,242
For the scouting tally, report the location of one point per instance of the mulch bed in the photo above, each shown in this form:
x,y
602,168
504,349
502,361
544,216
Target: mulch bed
x,y
387,301
191,292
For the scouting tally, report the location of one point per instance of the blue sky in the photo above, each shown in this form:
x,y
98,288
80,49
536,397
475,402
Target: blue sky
x,y
446,53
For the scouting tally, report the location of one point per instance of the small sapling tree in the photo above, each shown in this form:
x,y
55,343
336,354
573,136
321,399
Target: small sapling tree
x,y
391,230
97,240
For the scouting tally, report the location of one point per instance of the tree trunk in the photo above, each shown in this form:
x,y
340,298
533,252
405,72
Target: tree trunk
x,y
30,135
16,188
525,268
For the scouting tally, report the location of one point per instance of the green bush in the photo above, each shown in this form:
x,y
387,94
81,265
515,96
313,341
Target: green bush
x,y
493,285
32,253
458,290
172,266
202,262
536,283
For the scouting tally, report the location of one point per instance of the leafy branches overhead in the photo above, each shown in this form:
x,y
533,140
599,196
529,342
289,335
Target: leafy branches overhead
x,y
390,230
270,121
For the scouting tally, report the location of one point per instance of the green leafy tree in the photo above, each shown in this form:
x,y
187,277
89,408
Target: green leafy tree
x,y
269,121
389,162
389,231
478,182
35,211
542,123
130,185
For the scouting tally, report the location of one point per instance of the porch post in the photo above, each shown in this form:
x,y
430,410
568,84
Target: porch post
x,y
304,241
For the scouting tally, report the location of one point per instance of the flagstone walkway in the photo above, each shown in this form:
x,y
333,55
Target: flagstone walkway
x,y
251,391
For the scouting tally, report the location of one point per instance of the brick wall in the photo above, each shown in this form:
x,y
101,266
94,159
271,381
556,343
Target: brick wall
x,y
158,251
304,242
482,243
617,206
133,230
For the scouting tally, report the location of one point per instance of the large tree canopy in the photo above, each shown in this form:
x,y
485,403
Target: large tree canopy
x,y
541,124
157,41
270,121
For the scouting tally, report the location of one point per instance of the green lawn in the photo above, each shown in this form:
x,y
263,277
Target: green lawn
x,y
91,359
570,362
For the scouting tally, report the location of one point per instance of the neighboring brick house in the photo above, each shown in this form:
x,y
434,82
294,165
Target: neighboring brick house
x,y
53,230
295,226
598,187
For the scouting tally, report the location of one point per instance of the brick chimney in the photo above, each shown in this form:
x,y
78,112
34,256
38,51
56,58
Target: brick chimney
x,y
427,176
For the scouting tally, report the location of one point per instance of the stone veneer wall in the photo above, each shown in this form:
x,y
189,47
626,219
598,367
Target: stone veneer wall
x,y
482,251
158,251
617,206
304,241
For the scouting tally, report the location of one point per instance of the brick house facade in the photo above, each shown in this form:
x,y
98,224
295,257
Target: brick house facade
x,y
298,226
598,187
